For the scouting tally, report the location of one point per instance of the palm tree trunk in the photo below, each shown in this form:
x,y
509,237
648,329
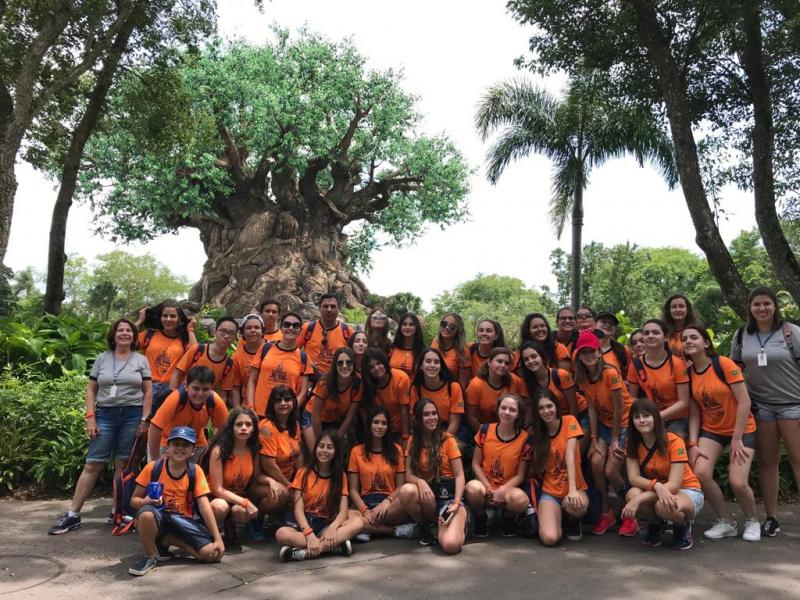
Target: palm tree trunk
x,y
577,229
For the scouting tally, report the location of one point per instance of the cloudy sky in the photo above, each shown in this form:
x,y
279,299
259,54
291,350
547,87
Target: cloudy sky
x,y
450,52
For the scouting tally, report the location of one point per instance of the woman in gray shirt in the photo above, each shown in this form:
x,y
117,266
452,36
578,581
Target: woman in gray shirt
x,y
768,348
118,399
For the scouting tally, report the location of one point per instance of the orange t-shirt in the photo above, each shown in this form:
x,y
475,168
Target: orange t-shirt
x,y
315,492
236,473
275,336
323,343
334,411
448,402
176,489
717,403
453,360
400,358
281,446
556,476
476,359
223,375
561,354
394,397
660,383
376,475
162,353
241,360
481,394
675,343
566,380
279,367
659,465
448,451
501,458
599,394
611,359
171,414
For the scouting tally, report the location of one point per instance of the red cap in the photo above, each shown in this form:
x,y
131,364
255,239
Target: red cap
x,y
586,339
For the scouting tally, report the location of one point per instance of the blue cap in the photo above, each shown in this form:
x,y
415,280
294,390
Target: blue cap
x,y
183,433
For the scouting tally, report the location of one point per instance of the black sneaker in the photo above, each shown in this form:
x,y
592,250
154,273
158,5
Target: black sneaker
x,y
345,549
162,553
65,524
573,530
426,537
287,553
652,537
682,536
770,527
508,527
143,566
481,525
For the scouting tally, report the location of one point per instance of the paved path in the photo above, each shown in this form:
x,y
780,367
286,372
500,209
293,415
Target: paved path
x,y
89,563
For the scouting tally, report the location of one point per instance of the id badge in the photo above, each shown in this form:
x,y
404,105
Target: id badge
x,y
762,358
112,393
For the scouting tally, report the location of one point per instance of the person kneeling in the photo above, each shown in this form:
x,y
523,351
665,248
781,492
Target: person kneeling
x,y
165,517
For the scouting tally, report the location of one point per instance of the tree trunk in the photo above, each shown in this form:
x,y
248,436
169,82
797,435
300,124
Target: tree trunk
x,y
674,95
271,255
56,257
780,253
8,189
577,249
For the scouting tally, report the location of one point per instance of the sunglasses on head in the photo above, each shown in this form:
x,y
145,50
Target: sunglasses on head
x,y
291,325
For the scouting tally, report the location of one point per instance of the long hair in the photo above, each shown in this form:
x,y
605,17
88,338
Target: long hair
x,y
337,471
777,318
417,343
666,315
224,438
283,391
388,448
460,339
645,406
420,441
152,319
529,377
582,373
112,332
541,436
483,372
377,338
522,409
445,376
549,343
500,341
332,377
710,350
369,382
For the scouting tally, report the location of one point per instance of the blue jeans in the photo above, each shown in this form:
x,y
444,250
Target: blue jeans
x,y
118,426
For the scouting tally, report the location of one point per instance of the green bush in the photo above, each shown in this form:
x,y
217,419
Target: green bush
x,y
42,431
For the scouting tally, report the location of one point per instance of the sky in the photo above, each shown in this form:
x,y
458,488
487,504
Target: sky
x,y
450,52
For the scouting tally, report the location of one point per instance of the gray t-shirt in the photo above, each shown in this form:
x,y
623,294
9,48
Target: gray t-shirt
x,y
779,381
129,372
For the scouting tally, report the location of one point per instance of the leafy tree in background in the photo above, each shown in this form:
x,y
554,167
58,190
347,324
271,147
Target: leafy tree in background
x,y
580,132
402,302
271,152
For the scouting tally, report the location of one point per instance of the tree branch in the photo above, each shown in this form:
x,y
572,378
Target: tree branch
x,y
308,182
234,159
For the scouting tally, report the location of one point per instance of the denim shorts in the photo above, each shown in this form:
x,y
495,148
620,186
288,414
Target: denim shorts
x,y
545,497
316,523
697,498
764,411
372,500
604,433
748,439
118,426
188,530
679,427
583,420
305,419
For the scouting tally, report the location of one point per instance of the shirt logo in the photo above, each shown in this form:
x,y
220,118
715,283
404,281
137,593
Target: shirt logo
x,y
573,427
681,451
615,380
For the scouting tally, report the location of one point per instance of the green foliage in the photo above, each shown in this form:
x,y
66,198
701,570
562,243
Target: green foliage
x,y
42,432
402,302
7,296
354,316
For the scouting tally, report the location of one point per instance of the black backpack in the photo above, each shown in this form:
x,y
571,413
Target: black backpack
x,y
122,513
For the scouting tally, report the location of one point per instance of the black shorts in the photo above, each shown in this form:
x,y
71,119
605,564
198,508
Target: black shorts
x,y
748,439
185,529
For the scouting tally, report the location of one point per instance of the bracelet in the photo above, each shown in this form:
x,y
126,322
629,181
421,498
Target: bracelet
x,y
405,436
307,531
89,416
388,499
363,509
691,444
244,503
653,483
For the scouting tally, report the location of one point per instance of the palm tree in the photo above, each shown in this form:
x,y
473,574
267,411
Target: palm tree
x,y
582,131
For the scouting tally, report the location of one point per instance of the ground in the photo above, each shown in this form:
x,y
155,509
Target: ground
x,y
90,563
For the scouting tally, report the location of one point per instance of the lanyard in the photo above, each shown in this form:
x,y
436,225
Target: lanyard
x,y
765,342
114,372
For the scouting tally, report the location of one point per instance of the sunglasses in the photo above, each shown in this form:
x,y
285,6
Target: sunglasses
x,y
291,325
585,315
379,316
448,325
282,399
344,363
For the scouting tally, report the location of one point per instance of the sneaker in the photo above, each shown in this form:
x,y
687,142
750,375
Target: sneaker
x,y
770,527
345,549
752,531
508,527
682,536
605,521
723,528
629,527
573,530
65,524
255,531
287,553
406,531
481,525
363,538
143,566
652,536
162,553
426,537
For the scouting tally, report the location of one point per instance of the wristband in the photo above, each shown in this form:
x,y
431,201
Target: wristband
x,y
691,444
653,483
363,509
405,436
244,503
307,531
89,416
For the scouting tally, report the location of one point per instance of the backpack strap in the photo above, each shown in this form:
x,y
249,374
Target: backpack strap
x,y
148,337
192,473
264,349
640,370
482,433
787,338
310,330
303,360
345,332
198,354
555,377
227,369
647,458
739,334
718,369
210,404
155,474
473,348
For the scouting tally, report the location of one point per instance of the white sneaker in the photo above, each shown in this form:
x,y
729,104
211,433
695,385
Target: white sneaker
x,y
363,538
723,528
752,531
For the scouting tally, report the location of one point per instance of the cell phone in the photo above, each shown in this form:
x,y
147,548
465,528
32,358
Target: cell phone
x,y
447,516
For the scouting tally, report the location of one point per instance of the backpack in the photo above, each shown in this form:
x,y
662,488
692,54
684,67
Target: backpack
x,y
555,377
184,398
148,337
122,513
191,471
198,354
787,337
268,346
313,323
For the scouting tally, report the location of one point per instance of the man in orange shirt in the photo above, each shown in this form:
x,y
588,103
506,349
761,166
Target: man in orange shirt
x,y
270,309
322,338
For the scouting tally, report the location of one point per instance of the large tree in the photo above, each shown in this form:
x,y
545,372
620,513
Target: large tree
x,y
581,131
270,152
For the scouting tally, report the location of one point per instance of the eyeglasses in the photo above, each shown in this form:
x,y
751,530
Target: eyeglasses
x,y
447,325
228,333
566,318
585,315
291,325
344,363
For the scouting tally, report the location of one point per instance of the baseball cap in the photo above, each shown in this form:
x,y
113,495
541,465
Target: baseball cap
x,y
183,433
607,314
586,339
